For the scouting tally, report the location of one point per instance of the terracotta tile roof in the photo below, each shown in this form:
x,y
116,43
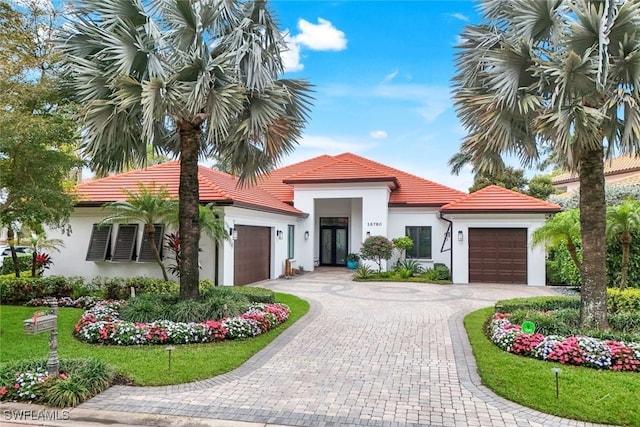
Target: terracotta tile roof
x,y
411,190
630,180
497,199
215,186
620,164
342,170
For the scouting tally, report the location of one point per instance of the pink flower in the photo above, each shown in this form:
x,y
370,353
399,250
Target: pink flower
x,y
3,391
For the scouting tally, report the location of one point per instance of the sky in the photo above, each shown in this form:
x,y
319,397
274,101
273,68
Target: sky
x,y
382,73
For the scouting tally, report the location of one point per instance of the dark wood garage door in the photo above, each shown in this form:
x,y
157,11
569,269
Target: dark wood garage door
x,y
498,255
252,254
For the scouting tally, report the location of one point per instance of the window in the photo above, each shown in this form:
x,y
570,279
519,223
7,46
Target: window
x,y
290,241
125,247
146,254
100,243
421,237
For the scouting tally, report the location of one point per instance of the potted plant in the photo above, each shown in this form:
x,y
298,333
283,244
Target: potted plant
x,y
352,261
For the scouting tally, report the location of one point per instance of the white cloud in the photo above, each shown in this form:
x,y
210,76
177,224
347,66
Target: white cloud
x,y
291,57
432,101
378,134
321,36
460,16
392,75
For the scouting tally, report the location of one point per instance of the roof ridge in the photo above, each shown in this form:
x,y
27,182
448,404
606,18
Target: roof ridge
x,y
332,163
402,172
127,173
494,186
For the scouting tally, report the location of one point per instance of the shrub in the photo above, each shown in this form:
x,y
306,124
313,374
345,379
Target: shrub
x,y
377,249
18,290
552,272
363,272
411,266
254,294
537,304
623,300
443,271
24,262
120,287
431,274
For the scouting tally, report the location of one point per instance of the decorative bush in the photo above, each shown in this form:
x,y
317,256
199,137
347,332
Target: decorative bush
x,y
24,261
101,324
18,290
79,379
573,350
377,249
443,271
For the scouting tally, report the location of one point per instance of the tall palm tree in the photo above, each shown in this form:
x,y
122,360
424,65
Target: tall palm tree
x,y
622,221
148,205
561,228
193,78
555,76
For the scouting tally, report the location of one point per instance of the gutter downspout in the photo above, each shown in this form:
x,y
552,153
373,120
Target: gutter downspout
x,y
450,243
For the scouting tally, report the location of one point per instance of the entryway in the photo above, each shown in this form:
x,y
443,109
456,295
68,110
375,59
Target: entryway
x,y
334,233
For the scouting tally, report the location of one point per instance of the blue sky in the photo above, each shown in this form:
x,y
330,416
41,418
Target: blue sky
x,y
382,73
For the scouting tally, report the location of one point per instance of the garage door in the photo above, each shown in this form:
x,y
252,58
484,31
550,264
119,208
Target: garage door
x,y
498,255
252,254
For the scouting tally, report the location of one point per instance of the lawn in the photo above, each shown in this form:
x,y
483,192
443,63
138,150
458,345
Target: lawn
x,y
585,394
145,365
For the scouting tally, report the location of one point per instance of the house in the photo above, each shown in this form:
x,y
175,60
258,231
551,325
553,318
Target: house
x,y
314,213
621,170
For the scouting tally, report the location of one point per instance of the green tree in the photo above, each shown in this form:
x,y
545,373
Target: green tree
x,y
148,205
506,177
561,77
37,134
561,228
193,78
377,248
540,187
39,243
622,222
402,245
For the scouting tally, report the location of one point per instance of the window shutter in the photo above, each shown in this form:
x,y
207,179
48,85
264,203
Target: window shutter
x,y
100,243
125,247
146,254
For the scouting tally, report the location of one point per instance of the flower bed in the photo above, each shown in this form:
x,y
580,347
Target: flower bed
x,y
100,324
572,350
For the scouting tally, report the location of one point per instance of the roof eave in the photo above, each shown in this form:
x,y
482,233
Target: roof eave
x,y
480,211
293,181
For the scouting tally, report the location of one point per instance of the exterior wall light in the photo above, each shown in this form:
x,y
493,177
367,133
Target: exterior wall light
x,y
233,232
460,236
280,234
368,234
306,235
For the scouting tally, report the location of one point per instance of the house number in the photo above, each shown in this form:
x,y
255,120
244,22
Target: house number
x,y
374,224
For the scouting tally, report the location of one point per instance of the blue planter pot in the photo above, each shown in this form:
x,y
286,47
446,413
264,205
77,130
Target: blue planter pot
x,y
352,265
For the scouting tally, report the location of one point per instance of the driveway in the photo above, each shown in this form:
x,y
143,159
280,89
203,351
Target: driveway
x,y
375,354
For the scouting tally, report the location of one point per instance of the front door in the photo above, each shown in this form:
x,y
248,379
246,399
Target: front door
x,y
333,241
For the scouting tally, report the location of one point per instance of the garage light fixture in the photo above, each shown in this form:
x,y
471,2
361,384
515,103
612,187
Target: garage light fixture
x,y
306,235
460,236
233,233
280,234
368,234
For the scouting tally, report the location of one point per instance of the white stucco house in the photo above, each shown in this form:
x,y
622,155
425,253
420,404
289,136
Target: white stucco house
x,y
314,213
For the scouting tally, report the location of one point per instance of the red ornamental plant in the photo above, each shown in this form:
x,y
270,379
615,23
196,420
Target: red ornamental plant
x,y
525,344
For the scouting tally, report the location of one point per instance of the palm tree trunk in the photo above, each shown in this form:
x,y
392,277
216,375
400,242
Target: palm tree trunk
x,y
150,230
624,268
14,255
33,263
188,210
593,301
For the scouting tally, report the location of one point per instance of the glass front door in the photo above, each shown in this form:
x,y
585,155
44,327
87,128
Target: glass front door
x,y
333,241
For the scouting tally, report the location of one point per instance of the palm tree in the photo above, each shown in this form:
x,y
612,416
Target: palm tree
x,y
39,243
561,228
195,79
622,221
149,205
562,77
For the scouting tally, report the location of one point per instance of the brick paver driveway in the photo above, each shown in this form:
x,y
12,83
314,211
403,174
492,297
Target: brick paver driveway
x,y
378,354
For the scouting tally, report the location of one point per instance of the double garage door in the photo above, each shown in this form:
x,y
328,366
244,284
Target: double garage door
x,y
251,254
498,255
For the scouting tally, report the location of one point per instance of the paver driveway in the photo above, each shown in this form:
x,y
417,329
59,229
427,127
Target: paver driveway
x,y
378,354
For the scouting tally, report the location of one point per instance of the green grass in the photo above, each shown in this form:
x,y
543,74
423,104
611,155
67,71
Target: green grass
x,y
585,394
145,365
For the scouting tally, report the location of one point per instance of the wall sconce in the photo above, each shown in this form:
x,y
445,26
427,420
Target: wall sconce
x,y
233,233
368,234
306,235
460,236
280,234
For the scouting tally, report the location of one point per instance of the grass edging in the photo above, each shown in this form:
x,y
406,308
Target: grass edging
x,y
585,394
144,365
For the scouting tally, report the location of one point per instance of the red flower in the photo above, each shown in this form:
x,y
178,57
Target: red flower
x,y
3,391
16,386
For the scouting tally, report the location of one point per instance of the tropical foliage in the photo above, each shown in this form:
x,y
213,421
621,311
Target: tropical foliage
x,y
555,77
622,221
194,79
377,249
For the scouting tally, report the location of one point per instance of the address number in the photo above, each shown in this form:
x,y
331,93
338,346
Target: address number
x,y
374,224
